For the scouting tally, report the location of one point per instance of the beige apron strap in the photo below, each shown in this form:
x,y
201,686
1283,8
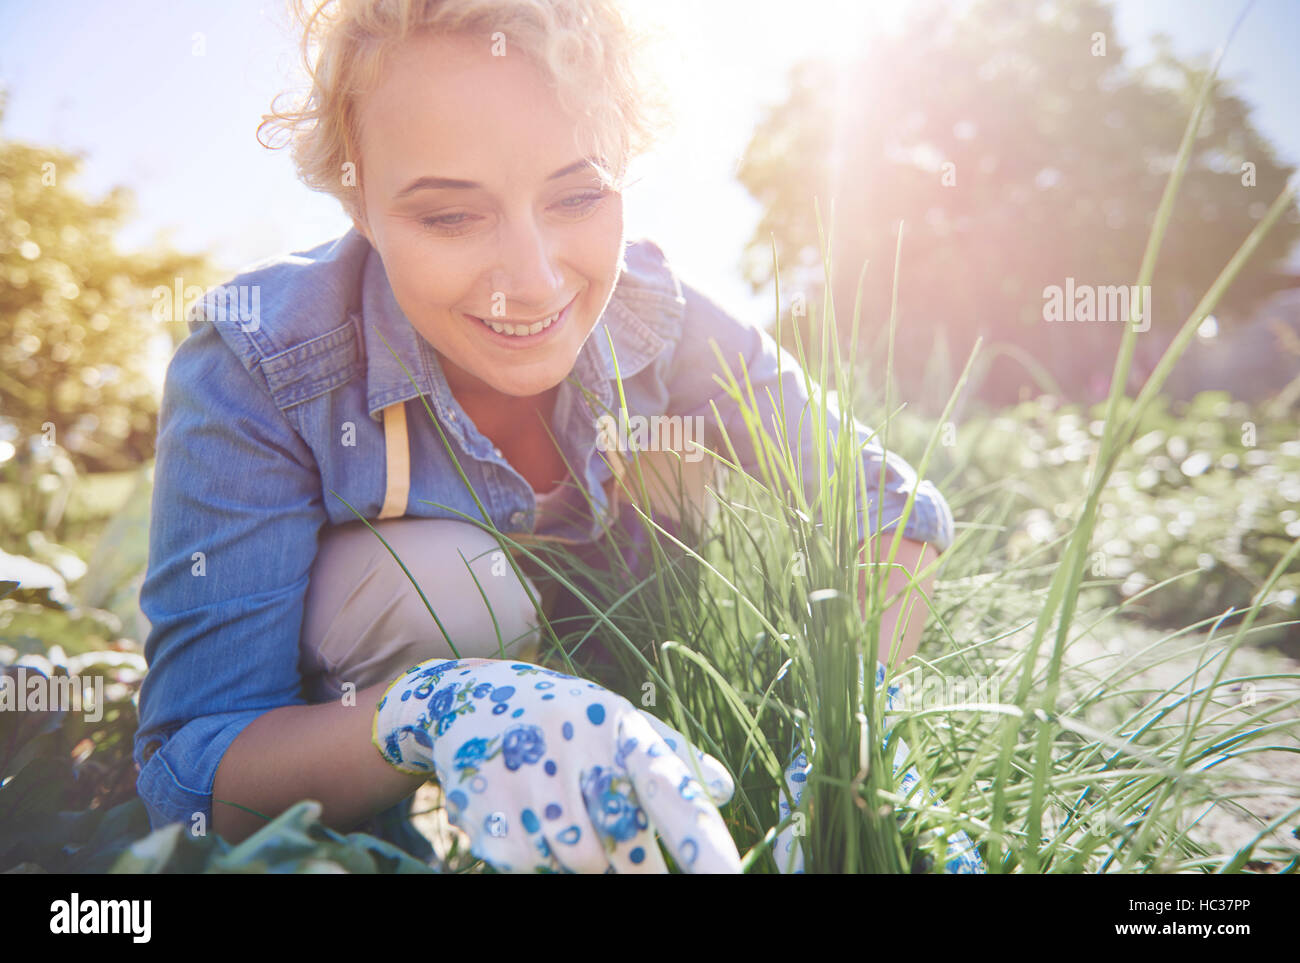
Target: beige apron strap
x,y
398,448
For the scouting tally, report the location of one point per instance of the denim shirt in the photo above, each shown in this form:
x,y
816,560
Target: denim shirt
x,y
270,421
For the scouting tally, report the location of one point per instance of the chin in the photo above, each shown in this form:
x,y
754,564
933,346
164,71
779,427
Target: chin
x,y
521,388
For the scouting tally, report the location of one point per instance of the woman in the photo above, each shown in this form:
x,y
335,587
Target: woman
x,y
480,148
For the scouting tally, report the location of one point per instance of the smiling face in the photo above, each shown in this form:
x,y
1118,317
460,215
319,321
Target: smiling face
x,y
484,210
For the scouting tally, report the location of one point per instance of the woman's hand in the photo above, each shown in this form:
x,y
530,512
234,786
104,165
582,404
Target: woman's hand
x,y
550,773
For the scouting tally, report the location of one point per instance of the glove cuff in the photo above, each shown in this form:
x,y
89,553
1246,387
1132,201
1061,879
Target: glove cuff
x,y
387,725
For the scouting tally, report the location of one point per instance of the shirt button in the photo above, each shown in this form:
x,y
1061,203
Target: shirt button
x,y
497,452
517,519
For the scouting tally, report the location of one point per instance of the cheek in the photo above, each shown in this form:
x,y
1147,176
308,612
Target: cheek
x,y
610,222
602,245
421,274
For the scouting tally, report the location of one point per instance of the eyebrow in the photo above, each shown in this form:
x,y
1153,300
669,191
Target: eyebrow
x,y
451,183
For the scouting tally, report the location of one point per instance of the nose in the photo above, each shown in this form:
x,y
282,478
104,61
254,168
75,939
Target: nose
x,y
527,271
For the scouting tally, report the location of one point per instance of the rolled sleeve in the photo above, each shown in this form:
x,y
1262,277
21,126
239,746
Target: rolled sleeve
x,y
235,518
776,375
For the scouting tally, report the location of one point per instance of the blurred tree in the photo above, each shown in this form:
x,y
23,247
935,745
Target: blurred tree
x,y
77,329
1020,150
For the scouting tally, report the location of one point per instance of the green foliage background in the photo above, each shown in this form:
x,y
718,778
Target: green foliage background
x,y
77,335
1058,157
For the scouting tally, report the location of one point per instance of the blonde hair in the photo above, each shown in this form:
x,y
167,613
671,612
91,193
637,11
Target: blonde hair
x,y
589,50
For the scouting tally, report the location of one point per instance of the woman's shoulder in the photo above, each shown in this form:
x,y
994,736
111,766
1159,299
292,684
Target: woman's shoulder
x,y
651,282
647,310
648,284
291,320
280,302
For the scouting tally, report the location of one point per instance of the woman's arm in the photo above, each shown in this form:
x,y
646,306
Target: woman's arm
x,y
320,752
777,379
902,623
236,514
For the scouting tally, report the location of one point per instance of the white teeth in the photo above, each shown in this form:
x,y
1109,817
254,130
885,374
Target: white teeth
x,y
520,329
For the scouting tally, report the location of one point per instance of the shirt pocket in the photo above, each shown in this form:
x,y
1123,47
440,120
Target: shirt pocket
x,y
312,368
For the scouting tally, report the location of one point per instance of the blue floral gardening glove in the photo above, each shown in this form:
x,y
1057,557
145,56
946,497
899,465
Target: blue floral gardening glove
x,y
550,773
962,855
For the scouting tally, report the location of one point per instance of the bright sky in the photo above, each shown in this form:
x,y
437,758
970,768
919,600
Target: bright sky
x,y
120,82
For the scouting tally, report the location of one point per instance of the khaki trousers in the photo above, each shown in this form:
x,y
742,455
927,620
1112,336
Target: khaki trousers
x,y
365,623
